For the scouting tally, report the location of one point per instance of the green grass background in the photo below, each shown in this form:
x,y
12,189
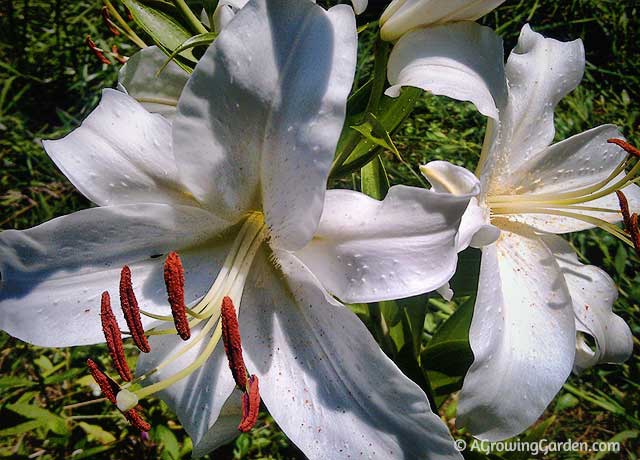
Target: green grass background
x,y
49,82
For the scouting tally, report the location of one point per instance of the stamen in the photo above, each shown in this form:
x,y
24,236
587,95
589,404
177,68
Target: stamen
x,y
233,342
250,405
131,311
634,231
99,53
106,18
624,208
626,146
113,338
110,389
174,280
117,56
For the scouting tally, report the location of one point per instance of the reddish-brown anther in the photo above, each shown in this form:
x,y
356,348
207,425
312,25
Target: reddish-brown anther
x,y
113,338
232,342
136,420
110,390
99,53
634,231
626,146
106,17
250,405
624,209
131,311
117,56
109,387
174,281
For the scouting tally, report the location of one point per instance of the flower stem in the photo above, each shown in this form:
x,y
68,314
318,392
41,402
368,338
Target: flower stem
x,y
191,18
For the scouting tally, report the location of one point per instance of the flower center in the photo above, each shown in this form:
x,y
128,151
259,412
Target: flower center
x,y
211,318
575,204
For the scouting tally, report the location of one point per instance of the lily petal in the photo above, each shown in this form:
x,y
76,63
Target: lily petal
x,y
593,293
325,380
260,117
121,154
475,227
540,72
464,61
53,274
367,250
402,16
158,93
205,401
581,161
522,336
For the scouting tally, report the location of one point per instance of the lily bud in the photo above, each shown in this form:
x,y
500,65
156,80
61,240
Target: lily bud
x,y
401,16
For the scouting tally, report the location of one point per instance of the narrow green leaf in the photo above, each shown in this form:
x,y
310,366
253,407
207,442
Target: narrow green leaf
x,y
97,433
465,281
198,40
373,179
170,443
14,382
21,428
448,355
165,29
373,130
52,421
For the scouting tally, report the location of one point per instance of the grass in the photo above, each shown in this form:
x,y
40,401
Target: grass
x,y
49,82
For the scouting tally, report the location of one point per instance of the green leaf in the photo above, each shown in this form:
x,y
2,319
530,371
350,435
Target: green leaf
x,y
566,401
373,179
198,40
52,421
448,355
165,29
21,428
373,130
97,433
465,281
171,446
13,382
392,113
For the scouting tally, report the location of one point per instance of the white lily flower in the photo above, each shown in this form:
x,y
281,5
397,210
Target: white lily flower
x,y
402,16
156,92
534,295
236,184
227,9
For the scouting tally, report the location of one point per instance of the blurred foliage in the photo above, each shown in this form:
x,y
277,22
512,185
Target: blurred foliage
x,y
49,81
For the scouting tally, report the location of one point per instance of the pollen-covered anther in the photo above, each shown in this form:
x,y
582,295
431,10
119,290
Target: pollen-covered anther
x,y
232,342
250,405
113,338
174,281
634,231
625,146
110,390
106,18
624,209
131,311
98,52
117,56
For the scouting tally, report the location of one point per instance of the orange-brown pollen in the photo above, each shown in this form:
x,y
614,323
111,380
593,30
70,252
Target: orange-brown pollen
x,y
110,390
174,281
131,311
113,338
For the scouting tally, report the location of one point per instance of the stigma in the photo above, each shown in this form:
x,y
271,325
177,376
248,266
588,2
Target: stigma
x,y
209,319
578,204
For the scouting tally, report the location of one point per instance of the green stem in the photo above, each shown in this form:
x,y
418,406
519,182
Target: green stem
x,y
190,17
128,30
